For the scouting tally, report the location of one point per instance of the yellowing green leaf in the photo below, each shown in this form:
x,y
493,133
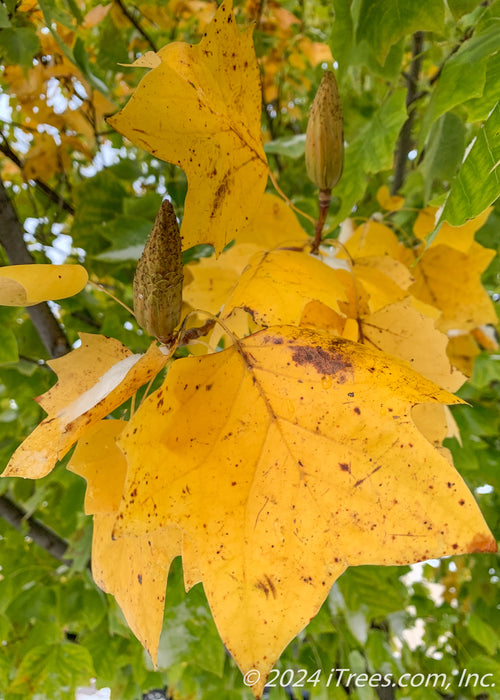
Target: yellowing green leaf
x,y
200,109
25,285
93,380
133,569
326,470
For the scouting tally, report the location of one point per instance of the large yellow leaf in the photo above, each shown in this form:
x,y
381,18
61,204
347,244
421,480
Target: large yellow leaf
x,y
133,569
25,285
201,109
285,459
93,380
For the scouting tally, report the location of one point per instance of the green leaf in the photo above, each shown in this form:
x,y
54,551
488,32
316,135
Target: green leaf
x,y
8,346
48,669
463,76
18,46
383,22
477,184
82,61
483,634
4,17
293,146
370,152
129,234
444,151
342,35
461,7
479,108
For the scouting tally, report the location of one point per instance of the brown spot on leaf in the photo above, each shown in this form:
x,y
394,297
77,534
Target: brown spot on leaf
x,y
139,578
220,194
324,362
266,586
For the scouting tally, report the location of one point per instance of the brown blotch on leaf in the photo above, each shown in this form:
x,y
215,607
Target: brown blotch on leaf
x,y
324,362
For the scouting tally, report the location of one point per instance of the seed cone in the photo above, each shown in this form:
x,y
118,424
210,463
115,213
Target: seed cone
x,y
325,135
158,278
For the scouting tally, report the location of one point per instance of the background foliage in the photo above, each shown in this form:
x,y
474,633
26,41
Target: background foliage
x,y
417,81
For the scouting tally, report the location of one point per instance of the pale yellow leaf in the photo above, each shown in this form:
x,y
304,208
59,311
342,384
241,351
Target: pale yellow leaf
x,y
25,285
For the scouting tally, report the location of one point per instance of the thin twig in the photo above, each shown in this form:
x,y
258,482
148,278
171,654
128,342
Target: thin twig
x,y
405,142
40,534
289,201
136,24
46,189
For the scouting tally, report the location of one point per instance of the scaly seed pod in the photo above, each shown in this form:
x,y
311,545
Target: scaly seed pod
x,y
158,278
325,136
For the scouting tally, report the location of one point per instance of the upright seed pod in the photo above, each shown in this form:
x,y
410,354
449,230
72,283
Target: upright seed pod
x,y
325,135
158,278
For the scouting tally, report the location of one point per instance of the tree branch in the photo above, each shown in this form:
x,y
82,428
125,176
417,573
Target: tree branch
x,y
136,24
39,533
12,239
405,142
46,189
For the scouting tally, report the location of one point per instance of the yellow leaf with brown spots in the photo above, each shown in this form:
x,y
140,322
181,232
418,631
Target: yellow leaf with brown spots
x,y
25,285
201,109
325,471
93,380
133,569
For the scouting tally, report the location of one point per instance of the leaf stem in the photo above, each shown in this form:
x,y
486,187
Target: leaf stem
x,y
324,200
287,200
102,288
